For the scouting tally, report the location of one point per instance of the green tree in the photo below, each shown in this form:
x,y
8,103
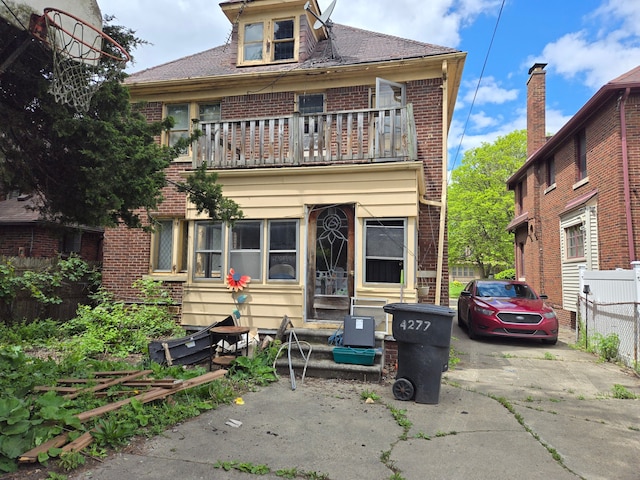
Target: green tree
x,y
102,167
480,207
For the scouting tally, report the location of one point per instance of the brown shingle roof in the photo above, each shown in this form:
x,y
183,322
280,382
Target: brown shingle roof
x,y
353,46
18,212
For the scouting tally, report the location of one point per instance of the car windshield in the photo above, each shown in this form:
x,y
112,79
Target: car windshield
x,y
508,290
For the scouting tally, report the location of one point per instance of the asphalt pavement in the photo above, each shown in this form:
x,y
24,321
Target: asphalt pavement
x,y
508,410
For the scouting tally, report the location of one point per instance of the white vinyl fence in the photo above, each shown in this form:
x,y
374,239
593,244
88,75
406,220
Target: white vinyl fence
x,y
609,303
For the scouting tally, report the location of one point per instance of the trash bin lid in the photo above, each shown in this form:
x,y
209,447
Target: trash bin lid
x,y
423,308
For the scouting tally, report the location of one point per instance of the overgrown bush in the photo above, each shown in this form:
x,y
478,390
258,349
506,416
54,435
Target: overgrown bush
x,y
607,346
508,274
42,285
117,329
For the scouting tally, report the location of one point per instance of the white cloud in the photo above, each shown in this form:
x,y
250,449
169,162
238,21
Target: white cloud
x,y
481,120
595,56
591,63
489,92
437,21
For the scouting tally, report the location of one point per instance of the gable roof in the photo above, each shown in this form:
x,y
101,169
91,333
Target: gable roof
x,y
18,211
353,46
23,211
631,79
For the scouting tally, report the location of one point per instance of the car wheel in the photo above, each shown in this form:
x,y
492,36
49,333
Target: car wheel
x,y
550,341
460,321
470,329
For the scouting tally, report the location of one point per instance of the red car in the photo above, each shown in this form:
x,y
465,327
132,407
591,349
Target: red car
x,y
506,308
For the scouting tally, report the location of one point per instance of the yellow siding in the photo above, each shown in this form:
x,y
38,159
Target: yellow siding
x,y
377,190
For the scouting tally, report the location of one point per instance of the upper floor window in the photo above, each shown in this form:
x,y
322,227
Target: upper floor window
x,y
209,112
266,42
180,114
384,250
521,192
311,103
183,113
283,40
551,171
581,155
308,105
574,236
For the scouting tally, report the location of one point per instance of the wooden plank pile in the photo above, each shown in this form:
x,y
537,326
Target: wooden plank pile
x,y
140,389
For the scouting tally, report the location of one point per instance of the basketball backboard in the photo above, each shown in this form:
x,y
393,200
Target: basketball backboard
x,y
87,10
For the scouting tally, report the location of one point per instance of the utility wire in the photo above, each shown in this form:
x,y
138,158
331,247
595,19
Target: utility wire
x,y
475,94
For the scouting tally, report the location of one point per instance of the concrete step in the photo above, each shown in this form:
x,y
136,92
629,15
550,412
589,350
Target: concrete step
x,y
321,362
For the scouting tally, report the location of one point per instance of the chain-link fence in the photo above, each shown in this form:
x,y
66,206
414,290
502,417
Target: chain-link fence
x,y
599,322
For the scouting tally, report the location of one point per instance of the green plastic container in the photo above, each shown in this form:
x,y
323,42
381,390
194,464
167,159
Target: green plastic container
x,y
356,356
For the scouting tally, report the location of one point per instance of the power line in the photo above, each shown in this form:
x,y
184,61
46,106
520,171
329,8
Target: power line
x,y
475,94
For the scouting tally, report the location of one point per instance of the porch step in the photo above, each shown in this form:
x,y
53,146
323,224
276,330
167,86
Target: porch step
x,y
321,363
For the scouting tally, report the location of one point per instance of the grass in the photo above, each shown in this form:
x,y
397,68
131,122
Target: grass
x,y
454,289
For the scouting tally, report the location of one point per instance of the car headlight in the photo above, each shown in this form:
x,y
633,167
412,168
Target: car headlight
x,y
549,315
484,311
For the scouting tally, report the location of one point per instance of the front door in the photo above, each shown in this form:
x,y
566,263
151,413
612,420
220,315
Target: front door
x,y
330,262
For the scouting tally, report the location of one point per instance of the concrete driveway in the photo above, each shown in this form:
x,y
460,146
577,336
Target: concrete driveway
x,y
508,410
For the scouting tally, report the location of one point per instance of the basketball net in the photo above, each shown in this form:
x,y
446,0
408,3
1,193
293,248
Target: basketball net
x,y
77,49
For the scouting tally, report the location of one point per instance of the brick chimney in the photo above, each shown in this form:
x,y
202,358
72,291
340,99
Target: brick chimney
x,y
536,102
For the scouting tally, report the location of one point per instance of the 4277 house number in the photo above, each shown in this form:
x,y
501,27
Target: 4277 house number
x,y
419,325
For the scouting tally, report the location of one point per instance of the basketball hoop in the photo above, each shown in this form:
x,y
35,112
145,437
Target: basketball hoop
x,y
78,48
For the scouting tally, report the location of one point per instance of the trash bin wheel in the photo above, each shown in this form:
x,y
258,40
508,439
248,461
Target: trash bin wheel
x,y
403,389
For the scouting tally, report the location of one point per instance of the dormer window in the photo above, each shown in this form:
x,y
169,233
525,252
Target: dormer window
x,y
268,42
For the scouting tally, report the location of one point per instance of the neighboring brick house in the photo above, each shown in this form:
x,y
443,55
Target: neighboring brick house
x,y
332,140
576,196
24,234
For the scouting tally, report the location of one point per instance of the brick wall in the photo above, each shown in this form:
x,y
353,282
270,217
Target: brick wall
x,y
543,267
127,252
39,242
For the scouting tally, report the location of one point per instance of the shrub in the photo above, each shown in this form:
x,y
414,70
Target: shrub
x,y
116,329
508,274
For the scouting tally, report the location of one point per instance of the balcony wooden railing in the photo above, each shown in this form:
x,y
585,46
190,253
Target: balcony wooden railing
x,y
355,136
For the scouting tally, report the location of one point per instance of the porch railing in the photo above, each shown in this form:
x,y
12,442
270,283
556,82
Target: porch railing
x,y
354,136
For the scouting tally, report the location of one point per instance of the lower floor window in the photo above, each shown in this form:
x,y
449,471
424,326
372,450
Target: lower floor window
x,y
208,250
169,246
245,250
219,247
575,241
384,250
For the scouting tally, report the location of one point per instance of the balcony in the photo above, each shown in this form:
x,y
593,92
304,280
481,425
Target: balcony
x,y
356,136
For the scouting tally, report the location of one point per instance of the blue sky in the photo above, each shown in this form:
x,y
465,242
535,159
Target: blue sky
x,y
586,43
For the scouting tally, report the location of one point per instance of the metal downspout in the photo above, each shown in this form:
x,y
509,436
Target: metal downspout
x,y
443,198
625,172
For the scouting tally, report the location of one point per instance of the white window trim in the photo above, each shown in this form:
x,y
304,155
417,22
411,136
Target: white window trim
x,y
405,227
296,251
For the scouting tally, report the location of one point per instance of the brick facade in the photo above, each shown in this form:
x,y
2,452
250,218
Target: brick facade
x,y
258,100
127,251
603,189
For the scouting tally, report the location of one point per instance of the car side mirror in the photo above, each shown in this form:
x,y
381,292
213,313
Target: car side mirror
x,y
465,293
544,297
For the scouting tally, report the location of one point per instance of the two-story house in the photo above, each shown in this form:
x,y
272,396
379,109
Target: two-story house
x,y
332,140
576,196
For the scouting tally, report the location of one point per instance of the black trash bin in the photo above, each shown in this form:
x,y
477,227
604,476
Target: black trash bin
x,y
423,333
